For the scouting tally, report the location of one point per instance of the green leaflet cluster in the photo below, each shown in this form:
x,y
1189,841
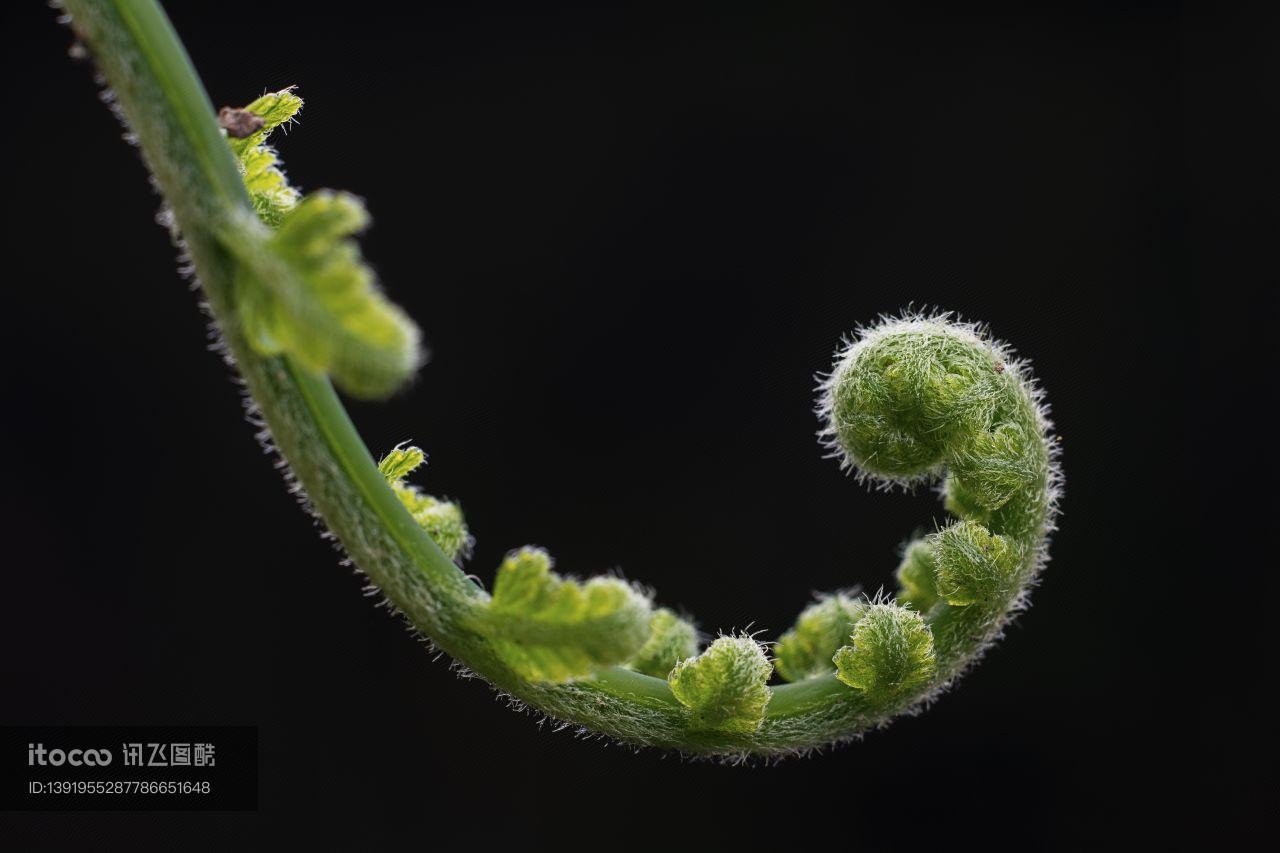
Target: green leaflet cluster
x,y
303,288
891,652
269,190
547,628
724,688
671,640
881,648
806,650
917,576
443,520
553,629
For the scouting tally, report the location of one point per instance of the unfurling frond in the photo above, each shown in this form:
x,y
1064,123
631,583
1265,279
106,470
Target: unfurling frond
x,y
918,398
908,394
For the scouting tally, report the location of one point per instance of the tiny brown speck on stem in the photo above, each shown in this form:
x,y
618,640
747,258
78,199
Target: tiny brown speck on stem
x,y
999,367
239,122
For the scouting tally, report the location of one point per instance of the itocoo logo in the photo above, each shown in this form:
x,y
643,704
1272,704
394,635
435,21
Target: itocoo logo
x,y
37,754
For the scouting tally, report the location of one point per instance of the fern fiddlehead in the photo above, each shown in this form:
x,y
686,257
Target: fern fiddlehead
x,y
911,400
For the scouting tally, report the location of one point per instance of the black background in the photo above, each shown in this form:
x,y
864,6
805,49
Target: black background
x,y
632,239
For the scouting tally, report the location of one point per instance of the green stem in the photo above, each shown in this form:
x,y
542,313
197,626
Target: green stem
x,y
163,101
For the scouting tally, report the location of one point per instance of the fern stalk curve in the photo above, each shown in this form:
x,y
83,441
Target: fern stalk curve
x,y
911,400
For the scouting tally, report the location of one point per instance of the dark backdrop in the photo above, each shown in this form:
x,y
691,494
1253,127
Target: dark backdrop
x,y
632,239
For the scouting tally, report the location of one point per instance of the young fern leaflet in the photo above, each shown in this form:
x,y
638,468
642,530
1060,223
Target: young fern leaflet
x,y
911,400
